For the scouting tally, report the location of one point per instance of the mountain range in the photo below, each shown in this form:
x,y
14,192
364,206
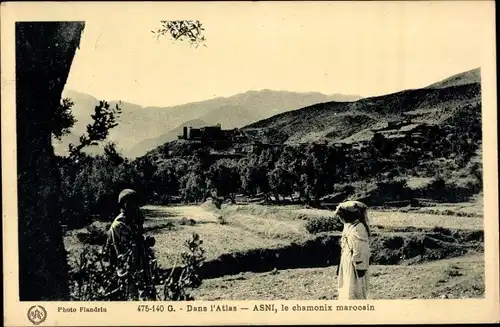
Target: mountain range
x,y
141,129
353,121
279,116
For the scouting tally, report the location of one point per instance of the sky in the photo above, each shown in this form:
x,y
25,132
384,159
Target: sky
x,y
358,48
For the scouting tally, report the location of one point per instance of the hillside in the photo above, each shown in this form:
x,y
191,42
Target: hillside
x,y
150,144
138,124
469,77
351,121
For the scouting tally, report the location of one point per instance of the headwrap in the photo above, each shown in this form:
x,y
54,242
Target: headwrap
x,y
358,209
126,195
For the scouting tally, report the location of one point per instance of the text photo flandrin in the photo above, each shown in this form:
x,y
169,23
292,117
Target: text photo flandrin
x,y
258,195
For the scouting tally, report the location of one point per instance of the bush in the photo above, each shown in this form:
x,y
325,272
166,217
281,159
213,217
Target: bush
x,y
441,230
315,225
417,246
95,233
212,204
188,222
168,225
175,288
438,183
394,189
221,220
453,190
95,280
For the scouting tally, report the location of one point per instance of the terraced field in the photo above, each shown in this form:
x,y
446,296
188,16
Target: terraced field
x,y
260,252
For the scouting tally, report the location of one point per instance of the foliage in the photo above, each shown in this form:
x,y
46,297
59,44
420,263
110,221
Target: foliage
x,y
112,154
316,225
90,188
176,289
224,177
182,30
95,279
95,233
104,119
450,190
189,172
62,118
306,173
395,189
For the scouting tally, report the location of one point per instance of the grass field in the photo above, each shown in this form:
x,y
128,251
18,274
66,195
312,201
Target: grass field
x,y
238,229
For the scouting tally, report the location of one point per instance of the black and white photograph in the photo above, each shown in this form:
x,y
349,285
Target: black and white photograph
x,y
325,152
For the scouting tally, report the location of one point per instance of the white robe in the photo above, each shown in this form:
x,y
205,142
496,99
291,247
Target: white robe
x,y
355,255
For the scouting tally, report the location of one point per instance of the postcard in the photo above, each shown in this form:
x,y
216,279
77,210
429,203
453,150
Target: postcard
x,y
236,163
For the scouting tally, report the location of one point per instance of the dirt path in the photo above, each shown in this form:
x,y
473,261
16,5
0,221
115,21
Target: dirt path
x,y
196,212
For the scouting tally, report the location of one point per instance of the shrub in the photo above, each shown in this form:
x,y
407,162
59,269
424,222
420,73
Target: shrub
x,y
95,233
168,225
212,204
315,225
438,184
221,220
453,190
394,243
188,222
441,230
453,271
176,288
94,279
393,189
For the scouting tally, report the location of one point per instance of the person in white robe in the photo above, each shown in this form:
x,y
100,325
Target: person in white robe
x,y
355,252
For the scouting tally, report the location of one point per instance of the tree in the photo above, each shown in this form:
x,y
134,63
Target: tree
x,y
112,154
193,181
224,177
165,180
182,30
41,72
281,180
62,118
146,169
96,184
104,119
253,175
314,174
193,186
42,69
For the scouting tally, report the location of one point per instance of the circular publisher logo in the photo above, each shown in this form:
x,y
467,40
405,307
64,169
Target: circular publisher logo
x,y
37,314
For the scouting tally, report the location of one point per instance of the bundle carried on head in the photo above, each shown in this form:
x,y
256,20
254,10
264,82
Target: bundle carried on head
x,y
351,211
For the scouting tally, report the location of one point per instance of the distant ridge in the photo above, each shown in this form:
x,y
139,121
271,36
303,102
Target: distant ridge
x,y
139,126
352,121
149,144
469,77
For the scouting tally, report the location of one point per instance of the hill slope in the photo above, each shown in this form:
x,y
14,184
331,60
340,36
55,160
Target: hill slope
x,y
472,76
337,121
152,143
138,123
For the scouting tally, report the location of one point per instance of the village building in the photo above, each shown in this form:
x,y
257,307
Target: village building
x,y
212,133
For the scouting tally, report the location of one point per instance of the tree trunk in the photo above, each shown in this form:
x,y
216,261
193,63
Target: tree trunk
x,y
44,53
